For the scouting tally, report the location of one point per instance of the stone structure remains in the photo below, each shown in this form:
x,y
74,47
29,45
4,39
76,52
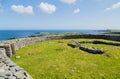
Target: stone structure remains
x,y
9,70
92,50
74,44
10,46
115,37
101,42
107,43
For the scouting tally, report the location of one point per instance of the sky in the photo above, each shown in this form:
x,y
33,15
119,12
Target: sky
x,y
59,14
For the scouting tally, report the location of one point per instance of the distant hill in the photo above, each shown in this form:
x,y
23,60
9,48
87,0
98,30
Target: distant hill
x,y
113,32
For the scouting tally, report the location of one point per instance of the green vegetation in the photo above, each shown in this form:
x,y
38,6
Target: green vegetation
x,y
69,33
12,38
55,60
113,32
59,33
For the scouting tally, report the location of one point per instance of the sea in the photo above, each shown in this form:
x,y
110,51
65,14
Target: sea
x,y
9,34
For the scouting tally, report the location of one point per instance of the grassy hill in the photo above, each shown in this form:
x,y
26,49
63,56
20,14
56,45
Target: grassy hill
x,y
55,60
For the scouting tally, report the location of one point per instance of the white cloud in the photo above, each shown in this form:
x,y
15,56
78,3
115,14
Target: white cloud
x,y
107,9
76,11
22,9
117,5
47,8
68,1
114,6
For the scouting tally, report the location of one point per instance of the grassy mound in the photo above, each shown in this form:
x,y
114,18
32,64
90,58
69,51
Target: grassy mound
x,y
55,60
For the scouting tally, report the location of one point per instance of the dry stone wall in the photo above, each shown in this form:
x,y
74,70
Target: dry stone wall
x,y
19,43
97,36
10,46
92,50
9,70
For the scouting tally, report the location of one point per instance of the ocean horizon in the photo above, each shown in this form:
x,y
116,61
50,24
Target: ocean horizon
x,y
7,34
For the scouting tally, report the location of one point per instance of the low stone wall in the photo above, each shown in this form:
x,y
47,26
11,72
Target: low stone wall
x,y
22,42
107,43
92,50
15,44
9,70
11,46
19,43
96,36
101,42
74,44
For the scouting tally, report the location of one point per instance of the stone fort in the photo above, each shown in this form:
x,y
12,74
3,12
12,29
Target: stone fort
x,y
9,70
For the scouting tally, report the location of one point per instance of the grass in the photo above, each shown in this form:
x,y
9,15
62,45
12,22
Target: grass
x,y
55,60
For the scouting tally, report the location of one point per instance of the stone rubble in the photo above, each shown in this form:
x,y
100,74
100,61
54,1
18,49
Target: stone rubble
x,y
74,44
92,50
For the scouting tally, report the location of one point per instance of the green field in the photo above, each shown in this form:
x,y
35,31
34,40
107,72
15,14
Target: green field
x,y
55,60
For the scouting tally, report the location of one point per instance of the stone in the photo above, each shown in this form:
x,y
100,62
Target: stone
x,y
8,73
13,48
9,70
17,68
74,44
19,75
2,73
1,64
85,48
92,50
10,46
8,50
107,43
2,54
17,57
2,78
10,77
11,64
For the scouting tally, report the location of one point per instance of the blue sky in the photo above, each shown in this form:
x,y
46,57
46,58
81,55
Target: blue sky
x,y
59,14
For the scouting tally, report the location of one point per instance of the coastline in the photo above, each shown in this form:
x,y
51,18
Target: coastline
x,y
10,46
11,34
